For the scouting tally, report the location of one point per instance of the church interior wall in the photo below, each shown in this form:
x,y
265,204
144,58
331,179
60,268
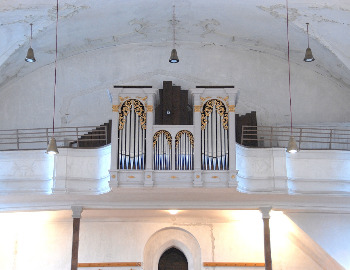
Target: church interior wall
x,y
260,78
42,240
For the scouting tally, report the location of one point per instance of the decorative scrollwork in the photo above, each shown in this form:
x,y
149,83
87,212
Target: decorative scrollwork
x,y
138,108
180,133
160,132
197,108
115,108
208,108
149,108
203,99
122,99
225,99
142,98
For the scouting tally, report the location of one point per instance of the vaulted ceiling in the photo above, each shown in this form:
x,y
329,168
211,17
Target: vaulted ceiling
x,y
104,42
86,25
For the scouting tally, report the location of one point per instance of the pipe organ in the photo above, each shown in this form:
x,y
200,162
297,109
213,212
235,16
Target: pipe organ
x,y
139,144
132,136
184,150
214,136
162,155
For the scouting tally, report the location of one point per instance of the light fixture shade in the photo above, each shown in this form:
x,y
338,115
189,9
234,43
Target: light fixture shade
x,y
292,145
173,57
30,56
52,147
308,56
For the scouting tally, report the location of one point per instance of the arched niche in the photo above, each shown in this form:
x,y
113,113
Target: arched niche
x,y
167,238
174,259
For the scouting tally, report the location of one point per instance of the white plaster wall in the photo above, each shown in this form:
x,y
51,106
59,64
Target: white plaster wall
x,y
34,241
329,230
261,79
31,241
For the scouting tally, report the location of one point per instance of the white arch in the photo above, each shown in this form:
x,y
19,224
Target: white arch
x,y
167,238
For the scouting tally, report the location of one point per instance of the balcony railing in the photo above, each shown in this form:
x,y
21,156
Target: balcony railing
x,y
38,138
306,138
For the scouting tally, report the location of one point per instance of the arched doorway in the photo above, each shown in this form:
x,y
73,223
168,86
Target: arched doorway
x,y
167,238
173,259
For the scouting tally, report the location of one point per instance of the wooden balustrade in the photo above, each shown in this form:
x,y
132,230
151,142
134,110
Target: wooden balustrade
x,y
109,264
236,264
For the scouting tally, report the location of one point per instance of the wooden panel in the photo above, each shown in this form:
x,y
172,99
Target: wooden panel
x,y
110,264
233,264
174,100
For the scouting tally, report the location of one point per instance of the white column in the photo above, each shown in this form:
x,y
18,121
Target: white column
x,y
149,136
114,140
232,182
197,140
173,151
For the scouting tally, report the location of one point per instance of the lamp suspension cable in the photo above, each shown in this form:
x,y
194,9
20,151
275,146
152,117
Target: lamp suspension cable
x,y
174,26
173,56
292,145
52,147
31,35
289,83
55,85
307,30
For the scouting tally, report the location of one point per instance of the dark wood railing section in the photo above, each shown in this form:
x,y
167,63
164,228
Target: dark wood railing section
x,y
72,137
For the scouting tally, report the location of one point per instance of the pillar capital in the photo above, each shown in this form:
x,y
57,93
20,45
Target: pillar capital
x,y
77,210
265,211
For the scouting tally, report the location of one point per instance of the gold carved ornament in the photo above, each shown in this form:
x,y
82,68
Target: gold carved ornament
x,y
225,99
197,108
115,108
142,98
208,108
161,132
231,108
149,108
180,133
204,98
126,108
122,99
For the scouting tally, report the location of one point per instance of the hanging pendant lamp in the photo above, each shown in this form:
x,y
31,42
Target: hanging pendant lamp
x,y
308,54
52,147
173,56
292,145
30,54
